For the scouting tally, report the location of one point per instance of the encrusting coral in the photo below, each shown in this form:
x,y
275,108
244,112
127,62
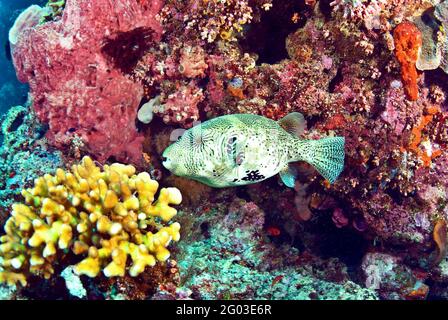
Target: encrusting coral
x,y
106,214
24,155
433,25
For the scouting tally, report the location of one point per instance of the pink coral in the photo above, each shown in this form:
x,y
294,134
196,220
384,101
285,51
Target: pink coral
x,y
182,106
76,88
392,114
192,62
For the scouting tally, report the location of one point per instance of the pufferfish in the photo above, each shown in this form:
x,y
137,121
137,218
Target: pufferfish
x,y
241,149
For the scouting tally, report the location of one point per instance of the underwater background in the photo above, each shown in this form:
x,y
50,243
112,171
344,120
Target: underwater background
x,y
92,93
12,92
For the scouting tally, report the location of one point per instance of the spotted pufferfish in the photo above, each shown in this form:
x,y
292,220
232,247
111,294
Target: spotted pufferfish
x,y
241,149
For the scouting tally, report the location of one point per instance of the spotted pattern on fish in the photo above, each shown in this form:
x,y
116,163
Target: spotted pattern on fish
x,y
241,149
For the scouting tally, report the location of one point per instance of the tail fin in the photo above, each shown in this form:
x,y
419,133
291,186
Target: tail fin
x,y
327,156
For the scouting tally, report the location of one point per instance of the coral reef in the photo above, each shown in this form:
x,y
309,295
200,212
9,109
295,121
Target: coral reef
x,y
105,215
12,92
432,24
211,20
114,80
247,266
7,292
24,155
392,279
75,87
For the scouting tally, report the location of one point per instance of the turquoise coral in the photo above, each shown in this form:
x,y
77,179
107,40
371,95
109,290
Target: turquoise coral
x,y
22,157
241,267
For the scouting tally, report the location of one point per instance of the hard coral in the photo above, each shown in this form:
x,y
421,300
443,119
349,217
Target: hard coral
x,y
182,106
408,40
104,215
76,89
210,20
192,62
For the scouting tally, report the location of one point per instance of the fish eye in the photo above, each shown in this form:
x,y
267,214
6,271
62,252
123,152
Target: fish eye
x,y
164,159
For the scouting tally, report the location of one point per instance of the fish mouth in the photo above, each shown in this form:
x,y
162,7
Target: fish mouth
x,y
166,162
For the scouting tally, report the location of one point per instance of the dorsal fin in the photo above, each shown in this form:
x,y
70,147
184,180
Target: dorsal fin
x,y
293,123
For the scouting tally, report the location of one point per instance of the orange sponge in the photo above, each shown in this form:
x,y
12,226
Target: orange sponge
x,y
408,40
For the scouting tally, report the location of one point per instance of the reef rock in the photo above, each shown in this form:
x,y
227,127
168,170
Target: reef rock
x,y
393,279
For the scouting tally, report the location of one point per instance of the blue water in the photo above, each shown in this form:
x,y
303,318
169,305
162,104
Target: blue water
x,y
12,92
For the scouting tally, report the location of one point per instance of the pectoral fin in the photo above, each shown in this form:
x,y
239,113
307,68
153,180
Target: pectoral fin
x,y
288,176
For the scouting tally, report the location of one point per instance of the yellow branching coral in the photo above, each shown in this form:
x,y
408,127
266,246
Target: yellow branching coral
x,y
106,215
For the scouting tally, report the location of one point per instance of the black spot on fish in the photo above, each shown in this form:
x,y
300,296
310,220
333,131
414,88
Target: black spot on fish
x,y
253,175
